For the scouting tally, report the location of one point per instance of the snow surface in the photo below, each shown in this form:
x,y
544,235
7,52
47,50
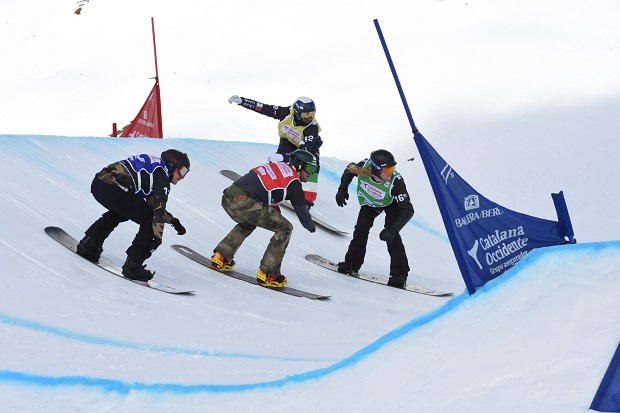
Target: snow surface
x,y
76,338
521,97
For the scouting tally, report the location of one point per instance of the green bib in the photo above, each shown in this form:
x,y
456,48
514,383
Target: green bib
x,y
373,194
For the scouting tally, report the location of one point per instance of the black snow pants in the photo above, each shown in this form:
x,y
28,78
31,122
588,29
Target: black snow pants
x,y
399,264
122,206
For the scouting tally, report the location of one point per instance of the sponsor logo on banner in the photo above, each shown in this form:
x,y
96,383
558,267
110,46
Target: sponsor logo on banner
x,y
446,173
474,216
499,249
472,202
473,252
146,123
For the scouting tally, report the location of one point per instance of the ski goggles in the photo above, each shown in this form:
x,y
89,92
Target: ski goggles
x,y
183,170
308,116
310,167
388,170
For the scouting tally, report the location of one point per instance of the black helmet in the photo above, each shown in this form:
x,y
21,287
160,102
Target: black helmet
x,y
304,109
174,159
380,160
302,159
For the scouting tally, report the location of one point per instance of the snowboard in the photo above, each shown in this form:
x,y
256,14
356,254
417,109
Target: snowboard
x,y
286,204
71,243
325,263
201,259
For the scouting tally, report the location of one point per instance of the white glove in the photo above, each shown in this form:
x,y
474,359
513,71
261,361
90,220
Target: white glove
x,y
276,157
235,98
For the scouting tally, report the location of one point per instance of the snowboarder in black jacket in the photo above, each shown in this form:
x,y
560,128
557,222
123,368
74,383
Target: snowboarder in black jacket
x,y
252,201
135,189
297,129
379,189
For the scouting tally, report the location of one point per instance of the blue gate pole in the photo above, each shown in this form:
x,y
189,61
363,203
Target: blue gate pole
x,y
400,89
419,140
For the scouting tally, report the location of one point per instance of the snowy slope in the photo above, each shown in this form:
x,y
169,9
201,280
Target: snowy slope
x,y
521,98
76,338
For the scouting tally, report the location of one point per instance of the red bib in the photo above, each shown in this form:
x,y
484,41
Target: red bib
x,y
276,176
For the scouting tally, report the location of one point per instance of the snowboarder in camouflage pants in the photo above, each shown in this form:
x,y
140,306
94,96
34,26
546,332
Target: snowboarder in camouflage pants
x,y
252,201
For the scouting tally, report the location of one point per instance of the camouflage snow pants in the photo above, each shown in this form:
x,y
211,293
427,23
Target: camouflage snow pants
x,y
249,214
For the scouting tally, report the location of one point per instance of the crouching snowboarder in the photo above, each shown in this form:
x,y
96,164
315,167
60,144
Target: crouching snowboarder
x,y
135,189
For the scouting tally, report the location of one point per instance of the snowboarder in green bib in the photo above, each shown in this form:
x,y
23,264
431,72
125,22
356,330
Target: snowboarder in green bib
x,y
297,129
379,189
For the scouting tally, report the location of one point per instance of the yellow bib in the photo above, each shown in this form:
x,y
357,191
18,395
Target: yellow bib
x,y
290,132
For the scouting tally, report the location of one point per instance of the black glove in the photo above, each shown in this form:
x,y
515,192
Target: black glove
x,y
341,197
310,204
176,224
155,244
388,234
313,229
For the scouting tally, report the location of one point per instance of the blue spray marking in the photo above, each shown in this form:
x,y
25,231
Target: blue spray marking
x,y
122,387
60,332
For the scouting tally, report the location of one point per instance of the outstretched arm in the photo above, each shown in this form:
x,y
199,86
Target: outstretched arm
x,y
276,112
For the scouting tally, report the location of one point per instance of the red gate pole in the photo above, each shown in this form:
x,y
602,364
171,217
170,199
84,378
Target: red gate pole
x,y
161,128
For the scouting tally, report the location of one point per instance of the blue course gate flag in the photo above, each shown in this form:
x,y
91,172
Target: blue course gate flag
x,y
607,398
487,239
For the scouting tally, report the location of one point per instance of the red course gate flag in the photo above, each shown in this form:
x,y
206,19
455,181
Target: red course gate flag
x,y
147,124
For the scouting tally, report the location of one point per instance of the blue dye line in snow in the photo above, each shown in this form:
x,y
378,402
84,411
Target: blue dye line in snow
x,y
60,332
536,255
122,387
432,231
